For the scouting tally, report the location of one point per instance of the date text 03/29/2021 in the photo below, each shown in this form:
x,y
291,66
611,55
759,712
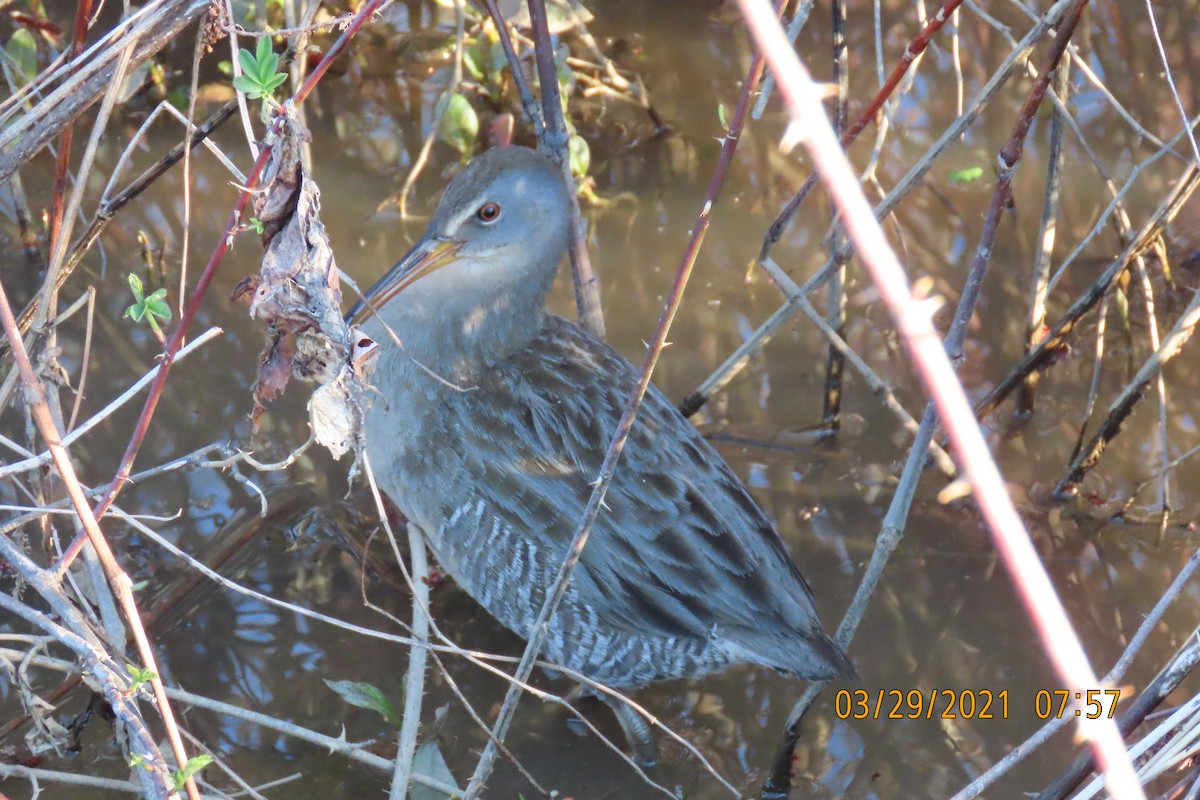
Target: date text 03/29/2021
x,y
972,704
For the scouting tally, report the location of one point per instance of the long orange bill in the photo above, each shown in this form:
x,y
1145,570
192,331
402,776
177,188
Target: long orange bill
x,y
426,256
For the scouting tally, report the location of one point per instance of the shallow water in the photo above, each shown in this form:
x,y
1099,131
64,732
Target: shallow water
x,y
945,616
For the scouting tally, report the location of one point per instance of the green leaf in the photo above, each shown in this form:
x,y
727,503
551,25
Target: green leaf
x,y
225,67
22,50
247,86
721,116
365,695
473,61
260,77
460,124
263,49
579,155
136,312
135,286
248,64
138,673
274,83
193,766
158,308
965,175
268,67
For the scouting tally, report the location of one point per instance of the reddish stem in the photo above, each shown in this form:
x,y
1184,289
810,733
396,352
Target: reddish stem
x,y
82,12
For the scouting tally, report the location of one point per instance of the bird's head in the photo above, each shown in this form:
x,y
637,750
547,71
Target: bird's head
x,y
494,242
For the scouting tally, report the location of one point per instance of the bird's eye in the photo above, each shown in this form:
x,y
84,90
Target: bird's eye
x,y
488,212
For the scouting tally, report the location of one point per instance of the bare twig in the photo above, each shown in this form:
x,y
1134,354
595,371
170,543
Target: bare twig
x,y
554,139
1039,286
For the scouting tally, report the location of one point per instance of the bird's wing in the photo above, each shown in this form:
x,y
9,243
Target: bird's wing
x,y
679,548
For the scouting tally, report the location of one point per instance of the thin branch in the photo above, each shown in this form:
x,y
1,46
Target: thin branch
x,y
554,139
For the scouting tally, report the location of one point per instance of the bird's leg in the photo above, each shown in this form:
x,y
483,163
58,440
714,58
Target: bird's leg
x,y
638,732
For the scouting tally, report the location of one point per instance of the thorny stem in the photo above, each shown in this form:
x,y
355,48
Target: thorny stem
x,y
540,627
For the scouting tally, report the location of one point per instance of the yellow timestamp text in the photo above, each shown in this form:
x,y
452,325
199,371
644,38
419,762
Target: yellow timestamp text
x,y
921,704
1090,704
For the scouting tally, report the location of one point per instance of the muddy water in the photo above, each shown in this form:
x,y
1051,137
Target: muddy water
x,y
945,616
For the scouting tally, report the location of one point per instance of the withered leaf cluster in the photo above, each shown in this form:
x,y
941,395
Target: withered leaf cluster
x,y
296,293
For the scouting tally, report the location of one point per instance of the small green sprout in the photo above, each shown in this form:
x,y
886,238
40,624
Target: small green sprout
x,y
256,225
459,126
22,55
260,76
365,695
140,676
193,766
965,175
152,307
580,156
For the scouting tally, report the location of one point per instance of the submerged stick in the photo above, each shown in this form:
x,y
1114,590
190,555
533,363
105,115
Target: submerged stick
x,y
1120,409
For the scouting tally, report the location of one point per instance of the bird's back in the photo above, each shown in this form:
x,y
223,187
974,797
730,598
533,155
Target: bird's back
x,y
682,574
